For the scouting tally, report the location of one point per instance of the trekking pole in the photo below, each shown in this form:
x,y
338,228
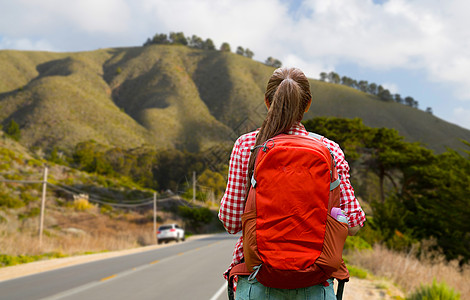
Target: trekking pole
x,y
339,292
230,293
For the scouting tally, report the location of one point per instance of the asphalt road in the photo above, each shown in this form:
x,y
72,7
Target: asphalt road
x,y
188,270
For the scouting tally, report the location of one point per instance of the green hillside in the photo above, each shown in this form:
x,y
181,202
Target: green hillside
x,y
172,97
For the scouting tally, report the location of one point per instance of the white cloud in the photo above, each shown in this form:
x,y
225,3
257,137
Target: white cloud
x,y
26,44
310,69
50,17
392,87
431,36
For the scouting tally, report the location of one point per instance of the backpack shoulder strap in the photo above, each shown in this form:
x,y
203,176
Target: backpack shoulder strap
x,y
315,136
319,137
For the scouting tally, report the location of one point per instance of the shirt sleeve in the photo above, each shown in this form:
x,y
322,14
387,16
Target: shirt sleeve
x,y
348,202
233,201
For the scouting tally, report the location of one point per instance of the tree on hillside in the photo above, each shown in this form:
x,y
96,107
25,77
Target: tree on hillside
x,y
429,110
409,101
195,217
178,38
214,181
385,95
334,77
161,38
148,42
398,99
84,155
209,45
372,88
13,130
195,42
380,89
240,50
249,53
225,47
363,86
323,76
273,62
347,81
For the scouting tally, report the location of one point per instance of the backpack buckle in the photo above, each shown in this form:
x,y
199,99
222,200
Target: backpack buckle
x,y
264,147
253,181
255,272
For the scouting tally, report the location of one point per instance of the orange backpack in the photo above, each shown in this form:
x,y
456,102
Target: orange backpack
x,y
290,240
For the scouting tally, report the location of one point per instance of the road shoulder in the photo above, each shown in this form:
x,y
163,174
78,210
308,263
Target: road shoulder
x,y
17,271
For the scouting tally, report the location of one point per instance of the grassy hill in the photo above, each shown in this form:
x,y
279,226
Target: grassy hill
x,y
172,96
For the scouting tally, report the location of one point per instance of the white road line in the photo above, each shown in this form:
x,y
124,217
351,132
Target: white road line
x,y
92,284
222,289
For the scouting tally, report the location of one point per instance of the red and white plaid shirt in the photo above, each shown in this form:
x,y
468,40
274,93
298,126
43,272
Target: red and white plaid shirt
x,y
233,201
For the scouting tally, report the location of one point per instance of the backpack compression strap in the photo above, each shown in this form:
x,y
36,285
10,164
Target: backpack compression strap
x,y
240,269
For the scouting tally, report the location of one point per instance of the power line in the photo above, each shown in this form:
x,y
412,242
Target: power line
x,y
109,202
97,197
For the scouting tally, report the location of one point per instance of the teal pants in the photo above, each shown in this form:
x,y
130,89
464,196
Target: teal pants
x,y
255,290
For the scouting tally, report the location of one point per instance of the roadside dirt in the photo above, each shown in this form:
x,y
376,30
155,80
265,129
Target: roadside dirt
x,y
359,289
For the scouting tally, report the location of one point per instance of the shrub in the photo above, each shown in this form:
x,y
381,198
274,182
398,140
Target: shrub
x,y
11,260
437,291
34,212
357,272
106,209
356,243
13,130
34,163
10,202
26,197
82,204
195,217
8,260
57,157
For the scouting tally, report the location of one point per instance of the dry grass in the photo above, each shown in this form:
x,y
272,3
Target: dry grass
x,y
409,272
71,232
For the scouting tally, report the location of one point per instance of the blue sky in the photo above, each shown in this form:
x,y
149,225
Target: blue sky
x,y
418,48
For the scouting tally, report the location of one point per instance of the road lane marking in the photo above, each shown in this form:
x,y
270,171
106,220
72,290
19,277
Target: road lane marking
x,y
109,277
219,292
93,284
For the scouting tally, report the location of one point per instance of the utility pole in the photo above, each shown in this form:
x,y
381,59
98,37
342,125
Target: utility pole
x,y
43,205
194,186
155,217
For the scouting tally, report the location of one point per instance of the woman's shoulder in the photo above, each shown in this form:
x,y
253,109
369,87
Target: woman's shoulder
x,y
330,143
335,148
247,139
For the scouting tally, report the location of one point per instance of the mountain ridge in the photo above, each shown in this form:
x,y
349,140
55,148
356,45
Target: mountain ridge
x,y
173,97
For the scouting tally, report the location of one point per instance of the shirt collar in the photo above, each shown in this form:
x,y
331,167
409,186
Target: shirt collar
x,y
297,129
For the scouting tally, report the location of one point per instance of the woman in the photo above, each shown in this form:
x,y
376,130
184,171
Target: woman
x,y
287,98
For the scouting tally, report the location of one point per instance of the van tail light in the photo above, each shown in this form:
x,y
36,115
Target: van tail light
x,y
158,232
172,230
